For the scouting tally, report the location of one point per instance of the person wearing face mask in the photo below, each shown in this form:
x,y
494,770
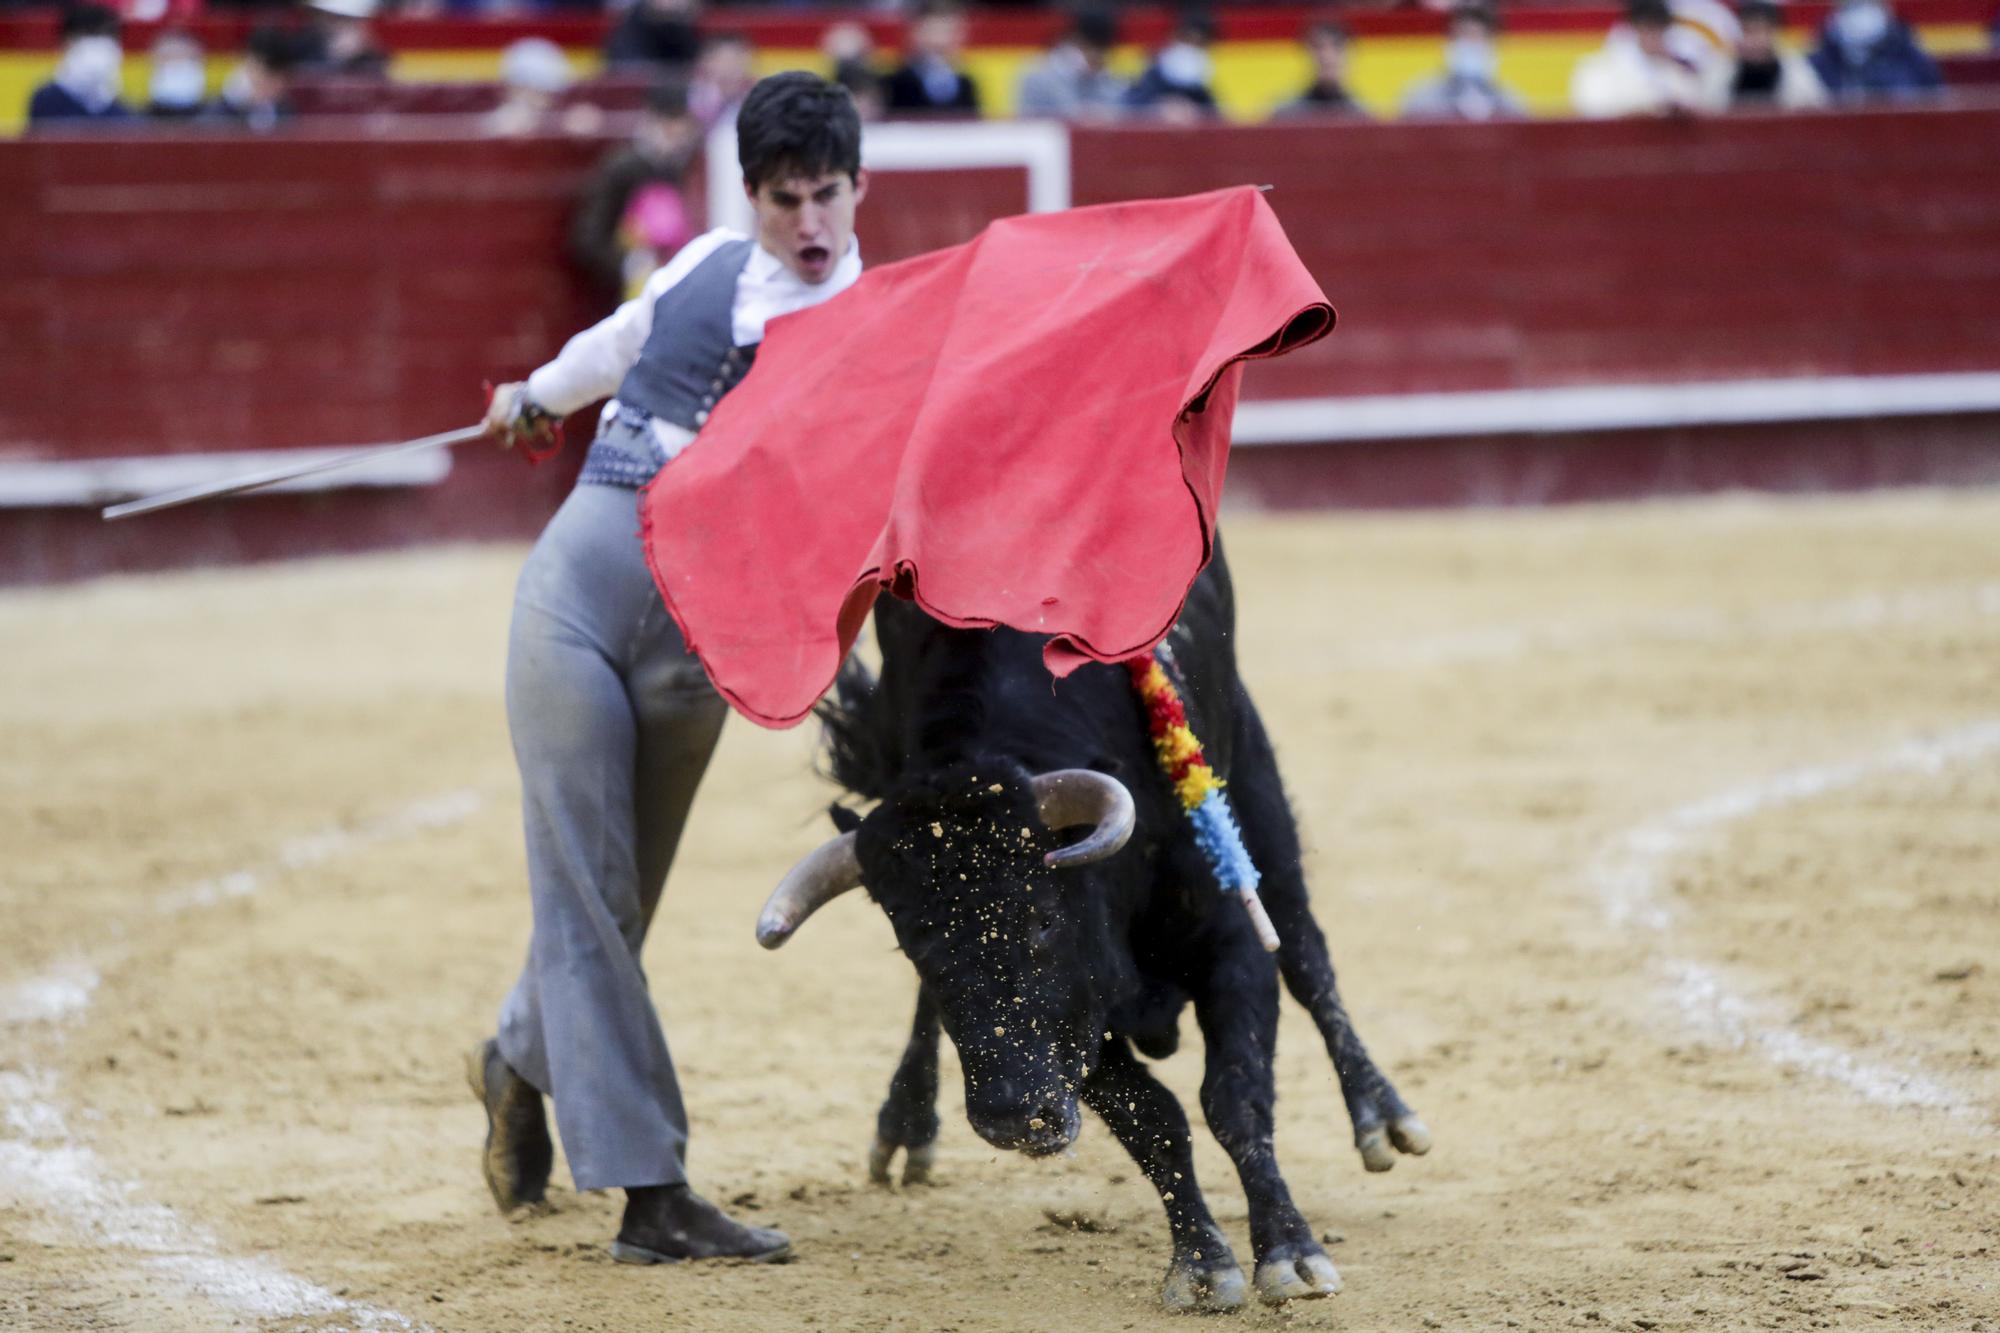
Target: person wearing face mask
x,y
84,90
177,88
1326,41
1643,70
1767,75
340,42
930,81
1866,53
1174,86
1071,81
1467,90
257,93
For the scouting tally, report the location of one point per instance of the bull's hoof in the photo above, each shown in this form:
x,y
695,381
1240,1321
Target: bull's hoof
x,y
917,1162
1296,1272
1406,1133
1204,1280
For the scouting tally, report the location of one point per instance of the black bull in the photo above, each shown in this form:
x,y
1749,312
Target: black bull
x,y
1046,977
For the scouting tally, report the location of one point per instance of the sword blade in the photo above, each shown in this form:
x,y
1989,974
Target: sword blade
x,y
253,481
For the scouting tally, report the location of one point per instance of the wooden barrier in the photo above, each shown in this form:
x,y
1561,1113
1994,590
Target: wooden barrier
x,y
208,293
1550,253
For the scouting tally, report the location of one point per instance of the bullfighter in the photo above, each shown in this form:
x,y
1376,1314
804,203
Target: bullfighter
x,y
612,718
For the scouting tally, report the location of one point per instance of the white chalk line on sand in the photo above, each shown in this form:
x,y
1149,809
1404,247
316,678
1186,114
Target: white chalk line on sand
x,y
43,1163
1627,876
70,1180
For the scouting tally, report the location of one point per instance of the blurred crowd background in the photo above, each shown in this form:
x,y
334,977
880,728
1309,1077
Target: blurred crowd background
x,y
238,62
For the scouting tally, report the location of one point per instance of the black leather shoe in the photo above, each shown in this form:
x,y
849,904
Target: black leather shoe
x,y
519,1153
665,1224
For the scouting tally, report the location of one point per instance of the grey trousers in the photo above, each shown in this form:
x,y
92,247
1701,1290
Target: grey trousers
x,y
613,723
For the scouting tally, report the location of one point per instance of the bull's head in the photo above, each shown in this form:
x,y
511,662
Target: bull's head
x,y
985,899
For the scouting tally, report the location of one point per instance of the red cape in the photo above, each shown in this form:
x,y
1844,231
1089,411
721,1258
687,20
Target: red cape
x,y
1029,429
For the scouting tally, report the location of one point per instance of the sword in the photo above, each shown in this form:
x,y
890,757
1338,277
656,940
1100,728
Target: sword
x,y
256,481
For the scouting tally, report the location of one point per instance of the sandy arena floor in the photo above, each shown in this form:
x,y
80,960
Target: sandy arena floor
x,y
1657,844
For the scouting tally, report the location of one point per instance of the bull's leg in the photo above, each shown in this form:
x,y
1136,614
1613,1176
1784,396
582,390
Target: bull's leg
x,y
1238,1012
909,1118
1379,1114
1148,1120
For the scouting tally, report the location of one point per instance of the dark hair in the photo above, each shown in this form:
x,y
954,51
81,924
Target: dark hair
x,y
1331,29
1648,13
1095,28
797,124
1195,23
931,9
668,97
1478,11
857,76
89,21
1754,11
275,48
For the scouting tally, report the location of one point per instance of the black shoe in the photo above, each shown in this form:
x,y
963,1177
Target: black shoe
x,y
518,1151
665,1224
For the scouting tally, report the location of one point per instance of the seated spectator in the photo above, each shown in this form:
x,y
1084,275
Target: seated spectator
x,y
723,75
1071,82
534,74
1641,71
257,93
1174,86
84,89
655,35
868,89
177,87
930,79
1767,74
1326,42
339,42
845,41
850,49
1467,89
633,217
1867,53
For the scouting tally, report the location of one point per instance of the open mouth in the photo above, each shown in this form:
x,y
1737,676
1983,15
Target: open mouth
x,y
815,256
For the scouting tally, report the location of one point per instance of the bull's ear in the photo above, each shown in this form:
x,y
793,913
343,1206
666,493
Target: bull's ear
x,y
845,820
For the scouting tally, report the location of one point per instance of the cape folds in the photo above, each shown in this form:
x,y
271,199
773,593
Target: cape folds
x,y
1029,429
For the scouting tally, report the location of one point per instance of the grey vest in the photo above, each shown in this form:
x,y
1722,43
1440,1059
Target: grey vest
x,y
689,361
691,358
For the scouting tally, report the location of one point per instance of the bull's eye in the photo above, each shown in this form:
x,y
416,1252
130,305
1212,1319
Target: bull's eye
x,y
1042,934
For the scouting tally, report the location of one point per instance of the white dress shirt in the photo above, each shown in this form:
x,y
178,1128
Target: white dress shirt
x,y
593,363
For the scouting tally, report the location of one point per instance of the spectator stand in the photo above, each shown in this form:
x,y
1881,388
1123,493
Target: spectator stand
x,y
1258,62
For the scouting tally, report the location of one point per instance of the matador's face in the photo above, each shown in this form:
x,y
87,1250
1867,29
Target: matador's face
x,y
808,222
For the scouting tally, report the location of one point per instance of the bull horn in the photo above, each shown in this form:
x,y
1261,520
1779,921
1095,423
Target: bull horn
x,y
1074,796
828,871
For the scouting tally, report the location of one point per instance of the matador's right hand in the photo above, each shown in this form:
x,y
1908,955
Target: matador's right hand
x,y
512,417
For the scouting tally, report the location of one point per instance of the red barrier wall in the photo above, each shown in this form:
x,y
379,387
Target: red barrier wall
x,y
231,293
222,293
1546,253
